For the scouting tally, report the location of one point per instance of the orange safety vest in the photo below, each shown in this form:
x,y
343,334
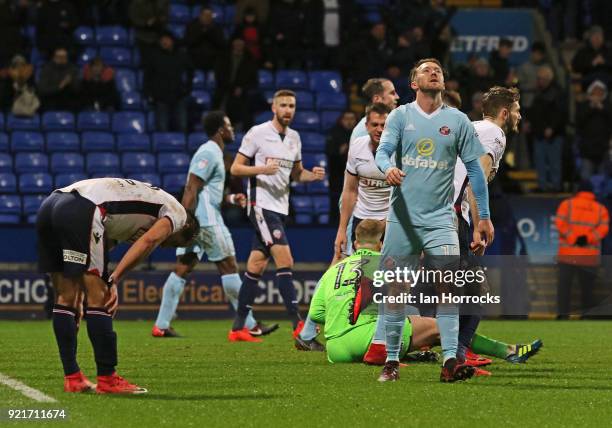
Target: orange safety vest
x,y
577,216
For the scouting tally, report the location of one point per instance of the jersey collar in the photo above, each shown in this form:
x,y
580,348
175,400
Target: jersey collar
x,y
425,115
366,252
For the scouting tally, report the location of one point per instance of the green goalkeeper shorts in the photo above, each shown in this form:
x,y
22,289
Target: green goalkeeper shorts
x,y
352,346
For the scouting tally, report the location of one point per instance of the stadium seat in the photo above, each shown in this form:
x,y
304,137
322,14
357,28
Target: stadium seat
x,y
93,121
266,80
135,57
150,178
173,183
199,80
373,17
201,99
329,119
177,30
87,55
318,187
58,121
291,79
211,83
129,122
172,163
229,13
35,183
125,80
31,162
6,162
330,101
111,36
309,160
238,139
598,182
133,143
134,163
151,121
8,183
302,204
320,204
262,117
31,204
312,142
102,163
63,142
168,142
298,188
63,180
18,123
115,174
10,209
306,121
84,35
304,100
22,141
116,56
96,141
323,218
30,32
325,81
195,140
67,162
131,101
179,13
4,142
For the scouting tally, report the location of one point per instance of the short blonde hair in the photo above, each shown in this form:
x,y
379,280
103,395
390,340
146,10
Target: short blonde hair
x,y
369,231
284,93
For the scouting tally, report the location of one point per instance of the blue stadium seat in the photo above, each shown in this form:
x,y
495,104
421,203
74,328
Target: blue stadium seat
x,y
93,121
131,101
4,142
238,138
67,162
306,121
173,183
325,81
196,139
229,13
302,204
266,80
8,183
116,56
63,142
137,162
373,17
329,118
151,121
199,80
312,142
150,178
330,101
96,141
177,30
133,143
291,79
309,160
36,58
211,83
35,183
179,13
298,188
10,209
320,204
102,163
87,55
115,174
6,162
30,32
58,121
598,182
84,35
31,204
323,218
172,163
318,187
125,80
268,96
262,117
304,100
17,123
31,162
201,99
22,141
63,180
168,142
111,36
135,57
129,122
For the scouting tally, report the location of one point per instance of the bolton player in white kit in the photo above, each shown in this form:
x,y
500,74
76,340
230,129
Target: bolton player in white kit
x,y
76,225
270,155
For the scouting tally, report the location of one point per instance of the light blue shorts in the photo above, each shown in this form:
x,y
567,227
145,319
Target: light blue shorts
x,y
216,241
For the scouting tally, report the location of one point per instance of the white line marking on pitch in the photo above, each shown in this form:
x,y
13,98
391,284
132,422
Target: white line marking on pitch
x,y
29,392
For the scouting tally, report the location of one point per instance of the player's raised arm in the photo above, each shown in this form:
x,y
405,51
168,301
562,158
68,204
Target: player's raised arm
x,y
299,173
391,137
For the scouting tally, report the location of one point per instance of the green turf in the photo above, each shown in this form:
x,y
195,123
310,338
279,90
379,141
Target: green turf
x,y
201,380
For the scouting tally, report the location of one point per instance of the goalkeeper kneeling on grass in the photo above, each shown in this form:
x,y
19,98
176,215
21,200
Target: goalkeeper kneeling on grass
x,y
340,303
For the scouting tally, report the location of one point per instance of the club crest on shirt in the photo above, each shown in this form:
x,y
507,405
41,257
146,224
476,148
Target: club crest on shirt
x,y
277,233
445,130
202,163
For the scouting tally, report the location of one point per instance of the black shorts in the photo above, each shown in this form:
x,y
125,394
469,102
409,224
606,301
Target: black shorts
x,y
269,229
354,225
71,236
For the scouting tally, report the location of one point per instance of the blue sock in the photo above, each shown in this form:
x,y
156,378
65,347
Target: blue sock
x,y
448,324
64,327
246,296
231,286
467,328
394,328
284,282
103,340
380,333
173,288
309,331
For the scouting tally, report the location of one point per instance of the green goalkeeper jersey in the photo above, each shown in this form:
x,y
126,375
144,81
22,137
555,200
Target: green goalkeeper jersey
x,y
334,299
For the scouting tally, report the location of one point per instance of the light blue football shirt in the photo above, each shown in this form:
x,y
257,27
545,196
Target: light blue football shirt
x,y
426,147
207,163
359,130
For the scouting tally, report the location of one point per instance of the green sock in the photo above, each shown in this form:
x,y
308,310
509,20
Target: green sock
x,y
484,345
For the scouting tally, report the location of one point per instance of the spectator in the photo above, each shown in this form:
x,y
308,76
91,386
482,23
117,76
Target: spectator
x,y
476,112
594,129
546,122
527,74
55,24
403,54
594,58
250,31
59,83
24,99
204,39
260,7
12,18
420,43
236,77
149,18
283,34
479,79
376,50
336,150
500,64
98,88
168,79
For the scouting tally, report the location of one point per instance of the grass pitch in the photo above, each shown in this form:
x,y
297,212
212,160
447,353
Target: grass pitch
x,y
202,380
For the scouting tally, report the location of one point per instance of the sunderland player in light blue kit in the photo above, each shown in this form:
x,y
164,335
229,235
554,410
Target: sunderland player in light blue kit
x,y
203,195
417,152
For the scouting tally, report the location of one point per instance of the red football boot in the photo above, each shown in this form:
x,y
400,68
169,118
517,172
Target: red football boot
x,y
242,336
115,384
475,360
376,355
481,372
77,382
298,329
164,332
